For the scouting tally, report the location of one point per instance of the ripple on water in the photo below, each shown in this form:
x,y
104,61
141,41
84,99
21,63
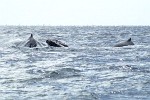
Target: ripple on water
x,y
63,73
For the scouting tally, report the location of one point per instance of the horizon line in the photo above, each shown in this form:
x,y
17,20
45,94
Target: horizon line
x,y
67,25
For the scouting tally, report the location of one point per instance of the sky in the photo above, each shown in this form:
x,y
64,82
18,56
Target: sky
x,y
74,12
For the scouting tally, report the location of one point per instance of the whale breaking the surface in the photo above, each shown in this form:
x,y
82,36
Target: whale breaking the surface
x,y
31,42
125,43
55,43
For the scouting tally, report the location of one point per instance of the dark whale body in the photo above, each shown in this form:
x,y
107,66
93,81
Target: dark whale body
x,y
55,43
126,43
31,42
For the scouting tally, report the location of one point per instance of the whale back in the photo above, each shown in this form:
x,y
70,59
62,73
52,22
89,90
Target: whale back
x,y
126,43
31,42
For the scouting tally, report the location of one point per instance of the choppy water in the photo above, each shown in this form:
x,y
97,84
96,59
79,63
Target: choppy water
x,y
89,69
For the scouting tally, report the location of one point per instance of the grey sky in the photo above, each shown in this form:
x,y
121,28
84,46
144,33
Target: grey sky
x,y
74,12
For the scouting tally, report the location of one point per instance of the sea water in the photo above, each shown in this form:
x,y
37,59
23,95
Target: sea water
x,y
89,69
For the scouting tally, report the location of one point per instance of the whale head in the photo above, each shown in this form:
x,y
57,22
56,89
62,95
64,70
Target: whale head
x,y
55,43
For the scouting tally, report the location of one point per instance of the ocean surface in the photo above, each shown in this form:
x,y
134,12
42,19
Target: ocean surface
x,y
89,69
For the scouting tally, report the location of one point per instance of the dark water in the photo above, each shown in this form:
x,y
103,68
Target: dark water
x,y
89,69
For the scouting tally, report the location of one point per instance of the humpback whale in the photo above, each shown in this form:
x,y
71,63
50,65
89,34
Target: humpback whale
x,y
31,42
126,43
55,43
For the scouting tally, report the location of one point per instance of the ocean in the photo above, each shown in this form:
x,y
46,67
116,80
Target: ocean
x,y
89,69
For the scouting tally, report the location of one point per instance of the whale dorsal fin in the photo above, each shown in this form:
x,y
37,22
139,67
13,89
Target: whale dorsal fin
x,y
31,36
129,40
